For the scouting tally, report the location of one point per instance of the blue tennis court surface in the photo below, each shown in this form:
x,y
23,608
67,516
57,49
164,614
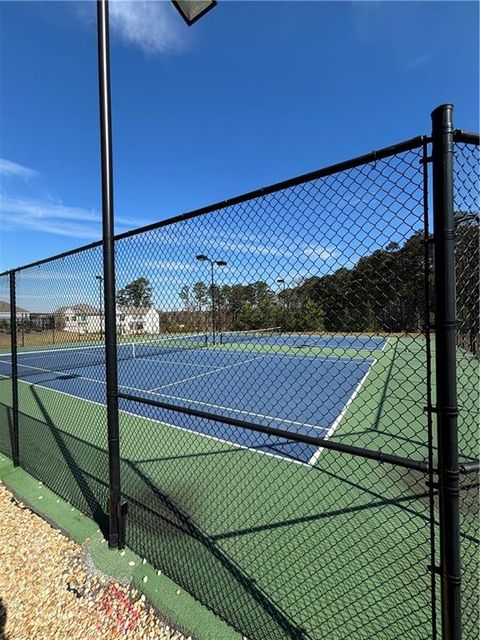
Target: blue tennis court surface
x,y
369,343
300,393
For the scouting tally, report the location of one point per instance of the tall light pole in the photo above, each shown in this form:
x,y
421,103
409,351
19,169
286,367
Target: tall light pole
x,y
213,263
100,301
282,282
191,11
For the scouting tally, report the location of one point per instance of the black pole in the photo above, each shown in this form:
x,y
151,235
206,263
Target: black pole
x,y
116,516
213,303
445,356
379,456
14,371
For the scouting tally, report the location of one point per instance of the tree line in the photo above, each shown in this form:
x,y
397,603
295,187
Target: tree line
x,y
383,292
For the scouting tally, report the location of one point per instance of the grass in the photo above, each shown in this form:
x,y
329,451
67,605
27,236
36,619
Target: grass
x,y
279,550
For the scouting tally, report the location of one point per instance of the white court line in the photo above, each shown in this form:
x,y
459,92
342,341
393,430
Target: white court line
x,y
174,426
240,411
185,364
185,400
385,345
201,375
338,419
60,373
311,461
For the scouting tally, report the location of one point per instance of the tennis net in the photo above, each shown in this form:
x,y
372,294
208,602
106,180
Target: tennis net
x,y
68,358
249,337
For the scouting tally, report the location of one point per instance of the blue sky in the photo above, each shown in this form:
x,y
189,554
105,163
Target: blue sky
x,y
254,93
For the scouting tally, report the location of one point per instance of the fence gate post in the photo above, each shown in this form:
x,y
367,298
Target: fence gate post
x,y
446,376
14,370
116,508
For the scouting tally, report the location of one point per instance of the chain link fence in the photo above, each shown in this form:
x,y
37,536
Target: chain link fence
x,y
6,417
62,417
334,349
275,363
467,219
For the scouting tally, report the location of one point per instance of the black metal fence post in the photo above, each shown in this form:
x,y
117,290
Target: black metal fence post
x,y
446,381
116,510
14,370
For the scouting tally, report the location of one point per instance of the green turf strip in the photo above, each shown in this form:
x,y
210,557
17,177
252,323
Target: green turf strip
x,y
278,549
174,605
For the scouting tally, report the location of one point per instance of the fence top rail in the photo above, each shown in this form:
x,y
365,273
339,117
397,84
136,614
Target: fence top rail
x,y
372,156
470,137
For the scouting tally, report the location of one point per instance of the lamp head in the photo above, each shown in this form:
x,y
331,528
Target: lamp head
x,y
220,263
201,257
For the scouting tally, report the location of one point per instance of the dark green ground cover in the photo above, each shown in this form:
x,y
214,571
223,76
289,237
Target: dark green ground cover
x,y
278,549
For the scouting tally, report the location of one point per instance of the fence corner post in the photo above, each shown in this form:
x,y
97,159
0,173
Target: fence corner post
x,y
14,370
446,375
116,508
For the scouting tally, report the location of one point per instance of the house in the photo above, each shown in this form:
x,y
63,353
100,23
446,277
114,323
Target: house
x,y
22,314
84,318
79,318
132,320
42,321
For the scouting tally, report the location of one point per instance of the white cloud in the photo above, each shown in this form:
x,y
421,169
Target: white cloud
x,y
58,219
323,253
9,168
169,265
152,26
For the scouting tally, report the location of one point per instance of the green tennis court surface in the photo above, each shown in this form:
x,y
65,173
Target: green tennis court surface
x,y
281,550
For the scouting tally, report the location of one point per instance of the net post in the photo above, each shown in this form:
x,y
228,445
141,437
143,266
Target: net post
x,y
116,509
14,370
446,377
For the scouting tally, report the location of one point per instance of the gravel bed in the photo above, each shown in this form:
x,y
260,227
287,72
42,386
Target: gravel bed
x,y
49,590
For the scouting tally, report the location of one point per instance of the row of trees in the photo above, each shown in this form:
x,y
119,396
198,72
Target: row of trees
x,y
383,292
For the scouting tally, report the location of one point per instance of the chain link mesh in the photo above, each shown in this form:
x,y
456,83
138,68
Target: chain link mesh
x,y
313,325
6,419
467,217
303,310
62,417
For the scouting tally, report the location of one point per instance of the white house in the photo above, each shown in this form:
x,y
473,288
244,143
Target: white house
x,y
83,318
132,320
22,314
80,318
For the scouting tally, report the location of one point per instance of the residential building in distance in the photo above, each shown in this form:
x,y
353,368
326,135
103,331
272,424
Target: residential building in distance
x,y
84,318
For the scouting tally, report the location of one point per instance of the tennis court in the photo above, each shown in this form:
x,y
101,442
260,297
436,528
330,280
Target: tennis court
x,y
276,380
216,537
282,540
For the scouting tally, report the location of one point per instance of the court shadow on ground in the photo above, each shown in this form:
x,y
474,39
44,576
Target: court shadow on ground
x,y
69,466
163,532
163,523
165,512
6,430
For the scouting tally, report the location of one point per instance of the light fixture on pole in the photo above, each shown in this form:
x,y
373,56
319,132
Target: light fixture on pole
x,y
219,263
193,10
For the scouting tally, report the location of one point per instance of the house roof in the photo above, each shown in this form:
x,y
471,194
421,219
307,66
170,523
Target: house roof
x,y
135,311
86,309
5,307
